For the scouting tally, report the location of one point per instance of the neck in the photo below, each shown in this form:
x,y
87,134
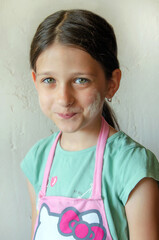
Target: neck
x,y
82,139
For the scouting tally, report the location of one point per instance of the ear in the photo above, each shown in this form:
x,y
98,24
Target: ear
x,y
34,78
113,83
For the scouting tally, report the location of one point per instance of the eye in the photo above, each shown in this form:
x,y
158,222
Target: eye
x,y
81,80
49,80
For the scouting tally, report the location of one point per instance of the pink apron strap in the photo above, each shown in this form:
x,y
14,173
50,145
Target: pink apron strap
x,y
48,166
101,144
97,180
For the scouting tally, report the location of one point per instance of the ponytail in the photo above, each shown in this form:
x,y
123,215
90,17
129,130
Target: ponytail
x,y
109,116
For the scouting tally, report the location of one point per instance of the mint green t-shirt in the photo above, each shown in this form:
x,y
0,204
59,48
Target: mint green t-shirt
x,y
125,164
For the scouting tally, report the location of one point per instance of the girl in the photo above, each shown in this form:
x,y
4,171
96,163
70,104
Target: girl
x,y
90,180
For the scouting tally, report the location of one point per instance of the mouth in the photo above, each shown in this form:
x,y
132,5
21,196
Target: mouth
x,y
66,115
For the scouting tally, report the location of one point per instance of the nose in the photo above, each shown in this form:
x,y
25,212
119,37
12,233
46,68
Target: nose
x,y
65,96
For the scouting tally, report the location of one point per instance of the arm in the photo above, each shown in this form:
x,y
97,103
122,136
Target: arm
x,y
33,204
142,210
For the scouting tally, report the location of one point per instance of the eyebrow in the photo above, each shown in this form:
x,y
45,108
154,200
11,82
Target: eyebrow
x,y
74,74
44,74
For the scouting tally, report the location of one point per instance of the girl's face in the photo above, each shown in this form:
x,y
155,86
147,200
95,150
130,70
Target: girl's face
x,y
71,86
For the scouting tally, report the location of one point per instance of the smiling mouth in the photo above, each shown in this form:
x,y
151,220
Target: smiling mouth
x,y
66,116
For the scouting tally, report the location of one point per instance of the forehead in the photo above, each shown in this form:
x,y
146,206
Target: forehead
x,y
62,56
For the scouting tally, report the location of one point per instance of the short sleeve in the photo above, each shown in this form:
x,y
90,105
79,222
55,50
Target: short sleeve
x,y
137,163
29,166
33,164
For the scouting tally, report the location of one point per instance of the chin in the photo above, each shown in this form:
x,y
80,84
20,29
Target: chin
x,y
68,129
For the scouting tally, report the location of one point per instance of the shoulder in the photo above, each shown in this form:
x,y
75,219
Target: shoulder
x,y
40,146
128,162
34,162
121,145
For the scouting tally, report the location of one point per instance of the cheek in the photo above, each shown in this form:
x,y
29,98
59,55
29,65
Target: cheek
x,y
44,102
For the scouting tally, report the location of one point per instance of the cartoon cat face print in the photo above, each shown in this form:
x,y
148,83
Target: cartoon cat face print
x,y
69,225
47,226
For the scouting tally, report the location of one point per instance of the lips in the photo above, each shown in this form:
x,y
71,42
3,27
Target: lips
x,y
66,115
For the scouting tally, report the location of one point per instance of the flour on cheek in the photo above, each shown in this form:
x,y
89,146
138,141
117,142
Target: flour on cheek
x,y
95,105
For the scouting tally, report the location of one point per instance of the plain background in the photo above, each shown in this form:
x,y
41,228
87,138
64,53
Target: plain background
x,y
136,24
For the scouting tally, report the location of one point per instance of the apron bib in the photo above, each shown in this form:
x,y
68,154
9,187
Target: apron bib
x,y
64,218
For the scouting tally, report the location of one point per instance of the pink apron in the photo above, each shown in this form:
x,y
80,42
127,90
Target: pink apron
x,y
64,218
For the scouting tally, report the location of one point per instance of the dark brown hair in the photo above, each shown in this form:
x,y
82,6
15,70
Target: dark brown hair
x,y
83,29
